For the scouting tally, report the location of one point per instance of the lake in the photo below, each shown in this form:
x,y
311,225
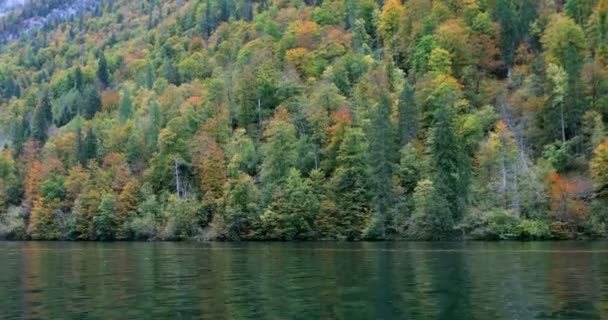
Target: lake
x,y
318,280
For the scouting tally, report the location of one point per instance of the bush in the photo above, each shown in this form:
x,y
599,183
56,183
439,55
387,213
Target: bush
x,y
12,224
532,230
182,216
498,224
561,231
143,227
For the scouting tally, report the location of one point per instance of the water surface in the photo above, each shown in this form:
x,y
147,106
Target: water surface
x,y
392,280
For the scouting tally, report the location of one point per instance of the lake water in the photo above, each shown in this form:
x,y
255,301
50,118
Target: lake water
x,y
386,280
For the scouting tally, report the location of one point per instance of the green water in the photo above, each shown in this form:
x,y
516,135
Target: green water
x,y
400,280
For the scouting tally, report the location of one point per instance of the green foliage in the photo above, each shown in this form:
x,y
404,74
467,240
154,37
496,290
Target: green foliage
x,y
382,166
289,120
103,75
450,181
292,212
12,224
104,218
125,110
183,217
350,187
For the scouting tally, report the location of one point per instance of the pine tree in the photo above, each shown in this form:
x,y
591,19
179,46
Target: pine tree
x,y
450,181
292,213
42,117
279,150
150,75
408,115
350,185
91,102
169,72
103,74
382,163
126,106
89,150
78,79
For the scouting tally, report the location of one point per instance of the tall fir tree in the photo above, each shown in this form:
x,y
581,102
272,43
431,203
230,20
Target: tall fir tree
x,y
103,75
382,154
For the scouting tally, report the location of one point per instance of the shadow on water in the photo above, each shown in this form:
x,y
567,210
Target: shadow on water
x,y
325,280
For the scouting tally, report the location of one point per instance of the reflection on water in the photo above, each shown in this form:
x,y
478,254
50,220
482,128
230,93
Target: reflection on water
x,y
506,280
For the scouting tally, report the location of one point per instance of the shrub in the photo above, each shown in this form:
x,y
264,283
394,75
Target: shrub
x,y
12,224
532,230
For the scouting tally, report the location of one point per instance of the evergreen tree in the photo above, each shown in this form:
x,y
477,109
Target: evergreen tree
x,y
103,74
91,103
350,185
408,115
150,75
280,154
78,79
382,162
292,213
450,181
42,117
125,110
89,149
169,72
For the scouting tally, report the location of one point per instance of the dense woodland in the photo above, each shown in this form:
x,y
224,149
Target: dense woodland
x,y
307,119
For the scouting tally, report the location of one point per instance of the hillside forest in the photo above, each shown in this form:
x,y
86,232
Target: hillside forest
x,y
305,119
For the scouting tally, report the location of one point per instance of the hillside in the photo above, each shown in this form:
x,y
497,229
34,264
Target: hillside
x,y
291,119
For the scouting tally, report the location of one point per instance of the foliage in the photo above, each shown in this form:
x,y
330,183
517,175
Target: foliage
x,y
302,120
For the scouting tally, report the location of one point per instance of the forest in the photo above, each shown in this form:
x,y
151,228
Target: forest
x,y
306,120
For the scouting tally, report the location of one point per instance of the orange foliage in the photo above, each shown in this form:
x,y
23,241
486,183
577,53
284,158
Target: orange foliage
x,y
32,181
194,102
110,100
566,206
308,35
128,198
281,114
212,170
197,44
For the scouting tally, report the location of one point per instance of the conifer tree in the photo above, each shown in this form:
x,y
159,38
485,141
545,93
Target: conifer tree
x,y
103,75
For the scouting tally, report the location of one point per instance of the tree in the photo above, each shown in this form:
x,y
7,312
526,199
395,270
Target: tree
x,y
103,74
78,79
91,103
279,150
564,41
242,205
104,219
514,19
350,185
211,169
170,72
450,181
382,163
292,212
389,24
125,110
599,167
43,223
42,117
89,147
558,77
342,121
579,10
408,115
